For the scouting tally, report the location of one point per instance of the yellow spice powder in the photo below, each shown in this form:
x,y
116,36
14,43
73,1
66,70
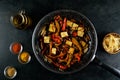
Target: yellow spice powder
x,y
24,57
11,71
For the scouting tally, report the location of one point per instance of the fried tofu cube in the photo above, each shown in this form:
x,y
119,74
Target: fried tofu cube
x,y
68,42
80,29
75,25
80,33
64,34
83,43
52,27
54,51
46,39
69,23
71,50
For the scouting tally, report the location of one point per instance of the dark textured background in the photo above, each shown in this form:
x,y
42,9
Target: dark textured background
x,y
104,14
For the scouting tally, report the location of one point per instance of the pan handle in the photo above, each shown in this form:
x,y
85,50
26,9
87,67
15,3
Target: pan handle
x,y
110,68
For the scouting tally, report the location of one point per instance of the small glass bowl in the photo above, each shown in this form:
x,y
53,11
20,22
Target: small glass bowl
x,y
108,37
24,57
13,45
10,72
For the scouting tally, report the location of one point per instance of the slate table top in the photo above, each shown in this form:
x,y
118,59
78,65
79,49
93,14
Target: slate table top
x,y
104,14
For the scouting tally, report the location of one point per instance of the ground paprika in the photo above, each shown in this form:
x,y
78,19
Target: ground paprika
x,y
16,47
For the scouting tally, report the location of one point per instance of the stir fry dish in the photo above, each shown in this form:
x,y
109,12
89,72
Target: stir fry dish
x,y
63,41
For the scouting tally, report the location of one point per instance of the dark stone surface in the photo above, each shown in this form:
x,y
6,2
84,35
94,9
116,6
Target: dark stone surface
x,y
104,14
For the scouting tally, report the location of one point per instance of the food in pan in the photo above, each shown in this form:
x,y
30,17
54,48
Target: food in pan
x,y
64,41
111,43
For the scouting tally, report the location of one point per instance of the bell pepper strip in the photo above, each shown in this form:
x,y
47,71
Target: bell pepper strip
x,y
70,55
58,56
63,67
61,23
57,27
69,59
73,61
61,54
43,50
56,38
50,48
64,60
64,24
41,43
65,48
47,59
76,43
51,57
87,38
43,32
77,56
56,64
57,45
57,18
74,34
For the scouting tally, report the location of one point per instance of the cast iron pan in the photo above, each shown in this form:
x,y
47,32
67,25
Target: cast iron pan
x,y
86,59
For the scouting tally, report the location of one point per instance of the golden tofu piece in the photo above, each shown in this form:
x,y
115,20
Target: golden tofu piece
x,y
80,29
80,33
69,23
71,50
83,43
75,25
64,34
46,39
68,42
54,51
52,27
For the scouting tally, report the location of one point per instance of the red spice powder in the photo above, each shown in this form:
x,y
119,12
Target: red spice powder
x,y
16,48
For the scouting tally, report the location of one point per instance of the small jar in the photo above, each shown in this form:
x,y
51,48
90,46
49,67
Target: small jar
x,y
16,47
10,72
21,20
24,57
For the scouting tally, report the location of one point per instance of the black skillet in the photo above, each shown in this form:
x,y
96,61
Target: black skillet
x,y
86,59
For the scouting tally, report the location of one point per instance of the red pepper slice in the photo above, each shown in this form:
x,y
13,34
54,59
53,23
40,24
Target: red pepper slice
x,y
57,17
78,57
61,23
63,67
74,34
64,24
56,38
60,66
